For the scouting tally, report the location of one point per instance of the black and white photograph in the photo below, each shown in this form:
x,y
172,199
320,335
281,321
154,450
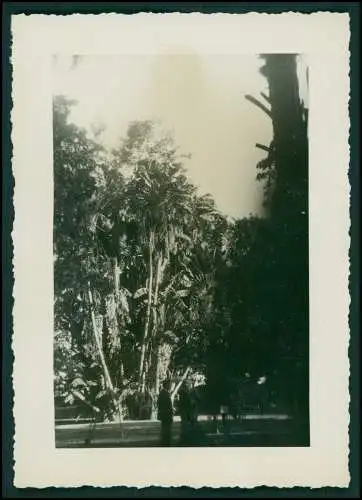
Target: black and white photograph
x,y
181,250
182,253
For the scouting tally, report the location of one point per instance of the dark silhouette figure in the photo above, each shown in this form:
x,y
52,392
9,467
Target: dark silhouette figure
x,y
188,414
165,413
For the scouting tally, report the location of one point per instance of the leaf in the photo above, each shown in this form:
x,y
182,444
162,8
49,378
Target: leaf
x,y
78,382
184,236
126,292
139,293
69,399
101,394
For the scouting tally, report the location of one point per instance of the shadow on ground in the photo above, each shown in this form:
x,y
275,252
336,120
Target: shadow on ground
x,y
244,433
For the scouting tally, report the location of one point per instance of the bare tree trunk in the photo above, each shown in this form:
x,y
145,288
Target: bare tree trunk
x,y
157,374
291,158
116,277
160,268
101,355
154,304
148,314
153,357
154,373
178,386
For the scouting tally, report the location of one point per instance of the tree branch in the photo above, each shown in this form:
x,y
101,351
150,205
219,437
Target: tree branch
x,y
264,148
258,104
177,388
265,97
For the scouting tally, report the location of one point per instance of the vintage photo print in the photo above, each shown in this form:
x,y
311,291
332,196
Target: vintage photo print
x,y
181,249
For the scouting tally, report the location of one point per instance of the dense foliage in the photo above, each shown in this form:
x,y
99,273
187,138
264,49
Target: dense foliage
x,y
262,325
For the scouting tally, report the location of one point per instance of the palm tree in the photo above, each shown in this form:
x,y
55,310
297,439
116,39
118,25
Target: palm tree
x,y
158,195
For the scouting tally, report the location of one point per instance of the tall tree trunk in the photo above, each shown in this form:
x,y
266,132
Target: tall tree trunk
x,y
116,273
102,358
290,140
158,279
116,278
290,211
148,313
154,347
154,374
153,356
157,370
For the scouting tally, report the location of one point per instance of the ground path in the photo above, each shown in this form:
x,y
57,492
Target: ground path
x,y
251,430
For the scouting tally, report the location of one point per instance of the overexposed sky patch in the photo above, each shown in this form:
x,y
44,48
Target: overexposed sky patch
x,y
199,97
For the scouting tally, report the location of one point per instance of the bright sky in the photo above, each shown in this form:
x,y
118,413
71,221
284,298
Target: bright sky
x,y
201,98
